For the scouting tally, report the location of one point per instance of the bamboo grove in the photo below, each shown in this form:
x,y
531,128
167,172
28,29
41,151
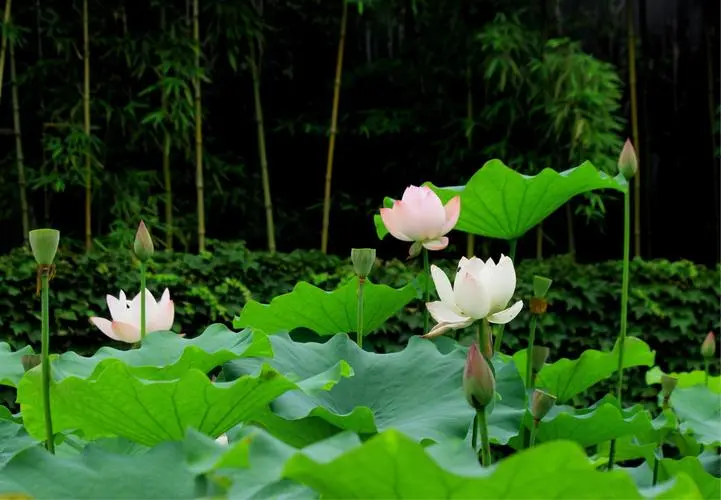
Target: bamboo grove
x,y
204,116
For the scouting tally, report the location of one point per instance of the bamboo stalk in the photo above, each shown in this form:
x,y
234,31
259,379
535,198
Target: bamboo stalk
x,y
19,157
634,129
198,130
539,241
333,129
46,198
167,178
86,127
4,42
571,234
267,200
471,241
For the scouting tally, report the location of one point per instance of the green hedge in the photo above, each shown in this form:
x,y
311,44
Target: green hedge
x,y
672,304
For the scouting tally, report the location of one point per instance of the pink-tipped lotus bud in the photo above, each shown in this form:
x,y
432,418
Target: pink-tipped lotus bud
x,y
708,347
627,161
363,260
44,244
143,246
539,355
541,404
668,384
479,384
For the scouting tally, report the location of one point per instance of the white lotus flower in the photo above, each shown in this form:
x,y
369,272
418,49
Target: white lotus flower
x,y
125,324
222,439
480,290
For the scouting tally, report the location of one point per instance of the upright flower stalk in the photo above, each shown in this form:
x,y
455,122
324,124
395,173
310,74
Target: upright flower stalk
x,y
628,166
44,245
363,260
427,271
538,307
479,386
143,248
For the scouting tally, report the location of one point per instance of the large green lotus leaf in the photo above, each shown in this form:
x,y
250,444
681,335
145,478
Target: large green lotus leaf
x,y
115,401
709,485
165,355
699,410
13,438
591,426
11,367
326,313
498,202
97,473
417,391
685,379
391,465
567,377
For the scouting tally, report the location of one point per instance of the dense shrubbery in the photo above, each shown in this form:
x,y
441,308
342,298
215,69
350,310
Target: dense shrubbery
x,y
672,304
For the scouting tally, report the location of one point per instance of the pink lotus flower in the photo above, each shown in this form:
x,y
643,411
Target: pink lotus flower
x,y
421,217
125,324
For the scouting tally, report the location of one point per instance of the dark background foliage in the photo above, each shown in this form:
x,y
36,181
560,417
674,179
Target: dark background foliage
x,y
403,115
672,305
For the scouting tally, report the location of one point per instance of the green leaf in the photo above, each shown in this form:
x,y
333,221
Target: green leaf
x,y
699,410
685,379
390,465
166,355
591,426
115,401
325,313
498,202
98,473
417,391
13,439
709,485
11,367
565,378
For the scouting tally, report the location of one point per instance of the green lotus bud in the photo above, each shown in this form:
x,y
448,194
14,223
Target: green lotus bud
x,y
479,384
627,161
708,347
363,260
44,244
539,355
541,286
541,404
143,246
668,384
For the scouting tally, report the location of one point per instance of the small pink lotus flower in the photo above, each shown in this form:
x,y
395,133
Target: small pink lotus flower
x,y
125,324
708,347
627,160
479,384
421,217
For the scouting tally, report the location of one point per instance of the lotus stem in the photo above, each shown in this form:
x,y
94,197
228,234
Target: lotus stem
x,y
706,368
655,471
485,443
359,312
624,311
427,268
142,300
529,367
45,356
534,431
474,434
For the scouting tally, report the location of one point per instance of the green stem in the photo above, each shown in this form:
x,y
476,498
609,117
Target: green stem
x,y
624,312
655,471
534,431
45,360
529,369
142,301
359,313
499,331
427,268
474,434
706,368
485,443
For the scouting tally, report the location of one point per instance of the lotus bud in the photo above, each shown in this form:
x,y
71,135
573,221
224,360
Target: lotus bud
x,y
708,347
541,285
539,355
668,384
363,260
479,383
627,161
143,246
541,404
44,244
